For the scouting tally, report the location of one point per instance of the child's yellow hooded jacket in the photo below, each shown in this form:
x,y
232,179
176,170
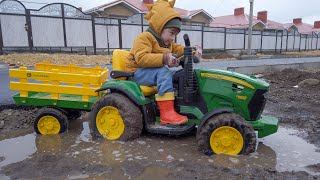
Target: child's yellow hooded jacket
x,y
146,51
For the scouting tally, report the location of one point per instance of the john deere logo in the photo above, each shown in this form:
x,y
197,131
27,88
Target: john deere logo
x,y
241,97
36,75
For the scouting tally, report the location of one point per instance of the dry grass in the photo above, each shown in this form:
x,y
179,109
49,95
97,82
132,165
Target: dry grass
x,y
27,59
308,53
214,60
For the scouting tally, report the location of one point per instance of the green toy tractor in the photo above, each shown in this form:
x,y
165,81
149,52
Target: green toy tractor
x,y
224,107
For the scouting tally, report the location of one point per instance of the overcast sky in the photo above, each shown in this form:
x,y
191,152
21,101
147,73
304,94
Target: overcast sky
x,y
278,10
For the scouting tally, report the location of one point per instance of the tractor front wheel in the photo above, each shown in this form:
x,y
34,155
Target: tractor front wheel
x,y
115,117
226,133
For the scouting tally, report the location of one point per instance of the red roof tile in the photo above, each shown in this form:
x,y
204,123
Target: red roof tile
x,y
230,21
242,21
183,12
276,25
138,4
305,28
135,3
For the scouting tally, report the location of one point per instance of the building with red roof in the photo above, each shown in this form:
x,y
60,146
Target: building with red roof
x,y
127,8
305,28
241,20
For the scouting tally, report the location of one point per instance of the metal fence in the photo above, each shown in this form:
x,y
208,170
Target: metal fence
x,y
63,27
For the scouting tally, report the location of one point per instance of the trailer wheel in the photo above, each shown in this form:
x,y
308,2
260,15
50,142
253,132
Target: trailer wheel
x,y
50,121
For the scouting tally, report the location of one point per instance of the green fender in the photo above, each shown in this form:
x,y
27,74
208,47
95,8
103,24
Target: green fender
x,y
207,116
130,89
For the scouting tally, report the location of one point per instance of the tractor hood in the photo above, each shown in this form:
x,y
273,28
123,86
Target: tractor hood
x,y
244,80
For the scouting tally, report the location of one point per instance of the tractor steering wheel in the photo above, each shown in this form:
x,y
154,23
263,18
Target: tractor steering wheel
x,y
181,57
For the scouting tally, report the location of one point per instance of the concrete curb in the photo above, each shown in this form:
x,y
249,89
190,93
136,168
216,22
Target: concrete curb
x,y
3,65
247,57
274,68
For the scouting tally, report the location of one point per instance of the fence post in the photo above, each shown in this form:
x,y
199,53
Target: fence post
x,y
311,41
300,43
306,42
287,41
261,40
281,43
316,42
275,49
120,34
29,29
244,39
64,26
108,42
202,35
225,39
94,35
141,22
1,40
294,39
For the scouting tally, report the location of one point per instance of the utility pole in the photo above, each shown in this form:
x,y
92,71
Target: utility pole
x,y
250,27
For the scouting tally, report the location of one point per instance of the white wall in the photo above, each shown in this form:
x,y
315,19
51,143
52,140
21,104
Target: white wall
x,y
102,38
79,32
13,31
47,32
129,33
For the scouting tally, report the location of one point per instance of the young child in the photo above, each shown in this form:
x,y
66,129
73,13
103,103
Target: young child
x,y
152,51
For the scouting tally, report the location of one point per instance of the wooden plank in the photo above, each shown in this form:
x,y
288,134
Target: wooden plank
x,y
58,89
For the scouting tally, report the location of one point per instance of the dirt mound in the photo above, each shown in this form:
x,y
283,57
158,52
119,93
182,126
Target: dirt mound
x,y
308,82
296,107
292,77
315,167
16,117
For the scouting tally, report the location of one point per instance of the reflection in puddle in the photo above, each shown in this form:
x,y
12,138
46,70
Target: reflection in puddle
x,y
293,152
282,151
17,149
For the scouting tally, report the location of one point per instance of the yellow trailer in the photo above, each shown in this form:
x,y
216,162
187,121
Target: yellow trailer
x,y
64,91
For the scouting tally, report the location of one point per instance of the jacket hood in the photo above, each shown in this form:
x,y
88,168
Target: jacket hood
x,y
161,12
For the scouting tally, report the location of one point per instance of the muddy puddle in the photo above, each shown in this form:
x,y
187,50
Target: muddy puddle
x,y
78,155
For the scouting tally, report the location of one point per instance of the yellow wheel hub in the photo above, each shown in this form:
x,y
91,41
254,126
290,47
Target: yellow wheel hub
x,y
109,123
226,140
49,125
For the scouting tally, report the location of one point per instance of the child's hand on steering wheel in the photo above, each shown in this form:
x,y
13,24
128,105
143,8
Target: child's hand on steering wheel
x,y
171,60
198,53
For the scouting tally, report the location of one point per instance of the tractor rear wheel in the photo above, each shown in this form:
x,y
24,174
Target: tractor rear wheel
x,y
226,133
115,117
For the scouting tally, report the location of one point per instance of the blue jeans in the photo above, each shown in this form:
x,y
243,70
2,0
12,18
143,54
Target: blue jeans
x,y
160,77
